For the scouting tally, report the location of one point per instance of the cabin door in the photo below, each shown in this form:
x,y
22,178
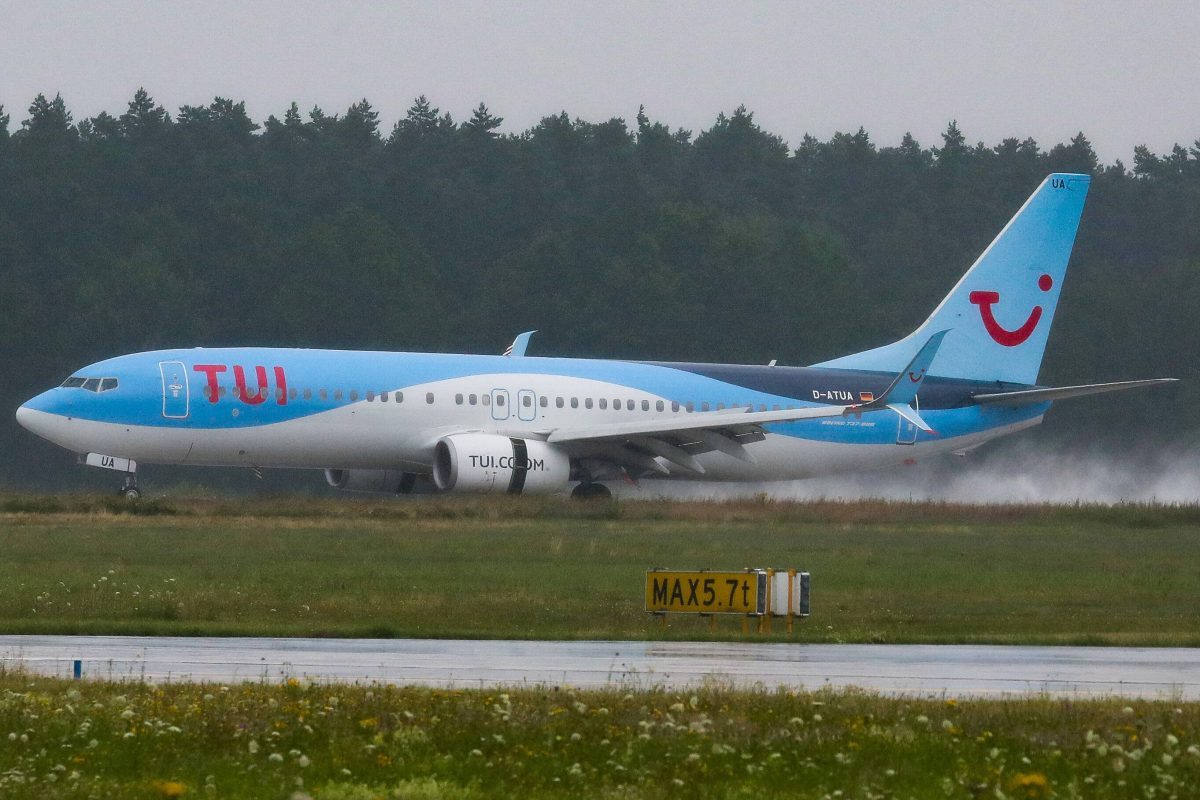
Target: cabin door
x,y
174,388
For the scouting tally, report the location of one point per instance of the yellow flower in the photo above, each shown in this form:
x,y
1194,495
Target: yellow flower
x,y
170,788
1030,785
368,723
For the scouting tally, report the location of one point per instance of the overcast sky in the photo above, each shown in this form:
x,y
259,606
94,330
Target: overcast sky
x,y
1125,73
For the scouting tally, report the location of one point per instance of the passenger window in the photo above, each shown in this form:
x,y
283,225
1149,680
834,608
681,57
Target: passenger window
x,y
337,394
458,399
674,405
235,392
603,403
308,394
646,405
292,393
486,399
720,406
762,406
543,401
429,398
399,397
324,395
574,402
354,394
659,405
775,407
107,383
370,396
499,399
587,402
383,397
222,391
690,406
472,399
704,406
558,402
279,394
208,393
526,401
629,405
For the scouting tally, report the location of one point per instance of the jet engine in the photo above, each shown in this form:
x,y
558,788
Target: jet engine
x,y
378,481
486,462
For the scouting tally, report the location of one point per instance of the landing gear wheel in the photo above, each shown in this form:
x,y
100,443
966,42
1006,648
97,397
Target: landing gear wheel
x,y
591,491
130,490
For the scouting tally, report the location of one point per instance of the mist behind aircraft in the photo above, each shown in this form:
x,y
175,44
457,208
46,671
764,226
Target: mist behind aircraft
x,y
1019,472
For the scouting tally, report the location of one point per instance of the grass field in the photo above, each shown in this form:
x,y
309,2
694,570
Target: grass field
x,y
550,568
63,739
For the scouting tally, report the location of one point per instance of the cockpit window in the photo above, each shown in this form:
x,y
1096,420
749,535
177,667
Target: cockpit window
x,y
91,384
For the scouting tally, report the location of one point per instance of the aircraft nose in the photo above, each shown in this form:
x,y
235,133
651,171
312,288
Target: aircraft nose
x,y
39,415
25,416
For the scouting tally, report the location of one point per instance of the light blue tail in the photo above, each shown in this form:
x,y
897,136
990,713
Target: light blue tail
x,y
999,314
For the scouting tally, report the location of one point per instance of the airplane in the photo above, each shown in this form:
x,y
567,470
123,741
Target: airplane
x,y
396,422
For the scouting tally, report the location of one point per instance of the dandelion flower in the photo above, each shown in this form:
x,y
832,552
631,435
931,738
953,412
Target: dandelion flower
x,y
170,788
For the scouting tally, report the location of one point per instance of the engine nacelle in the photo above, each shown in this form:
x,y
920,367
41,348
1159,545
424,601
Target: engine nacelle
x,y
486,462
377,481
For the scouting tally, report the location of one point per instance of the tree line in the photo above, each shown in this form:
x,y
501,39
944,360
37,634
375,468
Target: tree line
x,y
615,239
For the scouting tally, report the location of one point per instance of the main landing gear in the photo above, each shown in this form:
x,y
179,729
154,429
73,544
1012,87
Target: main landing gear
x,y
591,491
130,490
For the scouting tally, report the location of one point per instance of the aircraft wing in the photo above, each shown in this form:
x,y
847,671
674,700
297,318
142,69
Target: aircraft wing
x,y
1027,396
678,439
640,443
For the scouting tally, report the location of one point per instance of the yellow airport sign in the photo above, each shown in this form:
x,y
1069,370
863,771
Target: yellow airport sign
x,y
706,592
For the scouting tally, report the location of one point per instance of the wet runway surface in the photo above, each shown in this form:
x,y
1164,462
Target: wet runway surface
x,y
950,670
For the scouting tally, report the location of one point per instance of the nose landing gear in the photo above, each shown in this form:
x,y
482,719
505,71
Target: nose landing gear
x,y
130,490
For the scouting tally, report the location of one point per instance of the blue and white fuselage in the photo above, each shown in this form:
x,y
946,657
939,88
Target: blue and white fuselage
x,y
382,420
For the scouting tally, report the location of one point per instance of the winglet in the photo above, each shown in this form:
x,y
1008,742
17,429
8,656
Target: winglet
x,y
903,390
519,344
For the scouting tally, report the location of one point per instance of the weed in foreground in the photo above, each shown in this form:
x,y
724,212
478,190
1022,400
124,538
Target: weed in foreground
x,y
79,739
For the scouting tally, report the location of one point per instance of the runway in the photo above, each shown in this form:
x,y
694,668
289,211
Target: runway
x,y
950,670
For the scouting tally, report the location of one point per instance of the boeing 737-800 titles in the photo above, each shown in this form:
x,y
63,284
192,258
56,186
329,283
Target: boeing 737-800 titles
x,y
377,421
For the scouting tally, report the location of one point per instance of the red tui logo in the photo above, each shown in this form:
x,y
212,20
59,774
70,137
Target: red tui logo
x,y
1000,334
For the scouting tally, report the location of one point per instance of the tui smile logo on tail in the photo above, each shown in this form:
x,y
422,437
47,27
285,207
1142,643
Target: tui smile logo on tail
x,y
1000,334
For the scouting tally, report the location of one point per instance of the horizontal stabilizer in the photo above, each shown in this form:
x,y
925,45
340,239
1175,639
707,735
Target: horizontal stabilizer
x,y
1026,396
910,414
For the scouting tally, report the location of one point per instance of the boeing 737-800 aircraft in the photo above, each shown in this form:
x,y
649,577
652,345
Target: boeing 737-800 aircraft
x,y
511,423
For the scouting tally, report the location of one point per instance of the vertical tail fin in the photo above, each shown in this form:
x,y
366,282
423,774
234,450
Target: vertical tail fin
x,y
999,314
